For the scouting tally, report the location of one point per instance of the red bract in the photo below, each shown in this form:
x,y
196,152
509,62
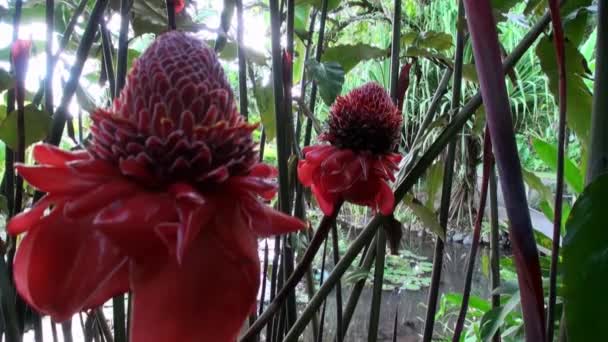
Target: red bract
x,y
165,202
364,129
179,5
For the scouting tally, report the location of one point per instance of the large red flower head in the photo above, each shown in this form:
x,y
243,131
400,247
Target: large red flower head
x,y
166,202
364,129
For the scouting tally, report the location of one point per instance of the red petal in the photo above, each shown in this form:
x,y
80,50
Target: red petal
x,y
385,200
55,179
306,170
326,201
194,216
28,219
259,186
263,171
64,266
206,298
54,156
98,198
266,221
130,223
317,153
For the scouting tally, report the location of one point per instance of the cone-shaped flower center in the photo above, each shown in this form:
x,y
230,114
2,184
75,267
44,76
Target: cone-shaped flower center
x,y
175,120
364,120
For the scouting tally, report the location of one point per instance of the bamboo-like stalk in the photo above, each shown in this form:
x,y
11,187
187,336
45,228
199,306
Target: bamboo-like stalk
x,y
488,164
171,14
558,39
407,182
106,45
243,103
335,237
82,53
119,316
296,276
494,246
65,38
319,53
372,333
486,50
446,192
598,152
48,81
321,278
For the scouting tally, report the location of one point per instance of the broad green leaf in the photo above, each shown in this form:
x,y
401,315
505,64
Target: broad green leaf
x,y
495,318
301,16
3,205
264,98
434,179
150,16
504,6
475,302
229,52
6,80
571,6
438,41
548,154
537,184
350,55
469,72
435,40
578,95
331,4
579,25
85,100
585,255
329,77
37,124
425,215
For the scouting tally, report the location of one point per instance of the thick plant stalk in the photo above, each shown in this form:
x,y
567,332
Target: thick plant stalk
x,y
296,276
319,53
336,253
321,278
82,53
372,334
558,39
407,182
108,60
123,45
598,152
243,103
446,191
494,247
353,299
487,57
171,14
488,164
119,316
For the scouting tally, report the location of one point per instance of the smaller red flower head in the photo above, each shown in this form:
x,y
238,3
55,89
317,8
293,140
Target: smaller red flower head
x,y
364,129
20,54
179,5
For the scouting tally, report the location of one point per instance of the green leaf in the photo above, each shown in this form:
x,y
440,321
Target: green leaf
x,y
434,179
329,77
264,97
504,6
350,55
356,275
548,154
469,72
537,184
229,52
439,41
150,16
6,80
435,40
301,15
425,215
585,255
331,4
37,125
3,205
579,25
578,96
495,318
225,19
85,100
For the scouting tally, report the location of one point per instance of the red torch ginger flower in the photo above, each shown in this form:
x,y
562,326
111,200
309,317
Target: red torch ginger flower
x,y
364,129
165,202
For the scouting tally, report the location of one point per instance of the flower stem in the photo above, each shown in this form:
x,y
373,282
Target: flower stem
x,y
296,276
